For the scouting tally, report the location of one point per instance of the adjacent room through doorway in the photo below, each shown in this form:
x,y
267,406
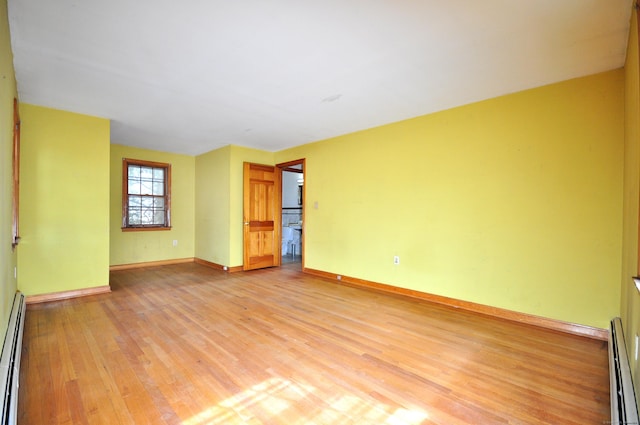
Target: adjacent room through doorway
x,y
292,211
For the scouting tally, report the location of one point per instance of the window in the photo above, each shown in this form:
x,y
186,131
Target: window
x,y
146,195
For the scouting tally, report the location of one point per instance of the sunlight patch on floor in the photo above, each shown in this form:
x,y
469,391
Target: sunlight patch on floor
x,y
270,400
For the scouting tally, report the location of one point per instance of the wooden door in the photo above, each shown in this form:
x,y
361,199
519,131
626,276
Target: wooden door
x,y
261,216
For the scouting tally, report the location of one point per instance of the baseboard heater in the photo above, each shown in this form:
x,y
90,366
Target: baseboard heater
x,y
624,409
10,362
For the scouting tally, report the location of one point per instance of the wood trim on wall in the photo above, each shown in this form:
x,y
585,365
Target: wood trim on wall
x,y
150,264
529,319
176,261
15,238
637,8
65,295
218,266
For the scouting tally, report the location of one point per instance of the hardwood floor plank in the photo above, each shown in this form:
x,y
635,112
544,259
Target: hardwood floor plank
x,y
186,344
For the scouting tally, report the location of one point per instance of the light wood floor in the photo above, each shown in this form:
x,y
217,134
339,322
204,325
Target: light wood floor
x,y
189,345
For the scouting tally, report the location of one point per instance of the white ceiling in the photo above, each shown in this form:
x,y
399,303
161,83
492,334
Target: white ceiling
x,y
194,75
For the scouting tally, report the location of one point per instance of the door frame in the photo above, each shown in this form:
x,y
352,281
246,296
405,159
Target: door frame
x,y
283,167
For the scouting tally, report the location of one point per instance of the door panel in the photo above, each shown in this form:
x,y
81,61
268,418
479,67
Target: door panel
x,y
261,216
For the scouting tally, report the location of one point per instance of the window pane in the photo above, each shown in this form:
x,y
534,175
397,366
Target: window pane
x,y
146,172
158,203
159,217
134,217
134,171
135,201
158,174
147,216
158,188
147,201
134,187
146,187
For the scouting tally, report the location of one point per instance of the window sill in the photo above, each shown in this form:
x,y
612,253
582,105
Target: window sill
x,y
144,229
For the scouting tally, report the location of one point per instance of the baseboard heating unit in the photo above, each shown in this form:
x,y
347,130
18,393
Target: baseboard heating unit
x,y
624,409
10,362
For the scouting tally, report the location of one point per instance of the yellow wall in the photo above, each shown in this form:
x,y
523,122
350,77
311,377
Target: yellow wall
x,y
630,300
144,246
219,202
64,201
514,202
213,206
7,94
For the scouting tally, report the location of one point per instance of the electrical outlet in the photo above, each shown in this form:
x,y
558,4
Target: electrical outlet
x,y
175,242
396,259
339,277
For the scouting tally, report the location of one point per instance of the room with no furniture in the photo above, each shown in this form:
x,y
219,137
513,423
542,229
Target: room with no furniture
x,y
333,213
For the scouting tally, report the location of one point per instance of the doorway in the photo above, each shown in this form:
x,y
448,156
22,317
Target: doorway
x,y
292,212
